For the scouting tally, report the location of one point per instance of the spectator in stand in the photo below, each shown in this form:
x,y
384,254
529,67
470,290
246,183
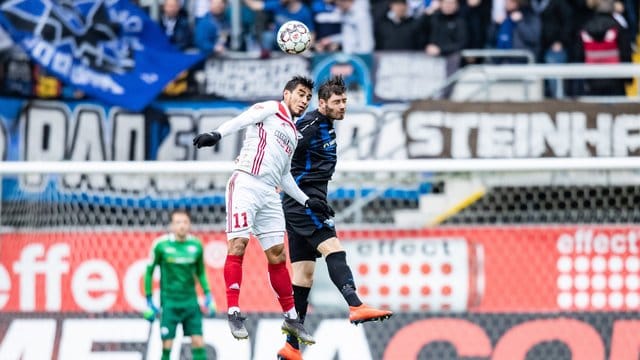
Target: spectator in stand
x,y
498,10
221,13
418,8
378,8
447,36
211,33
629,8
357,26
477,15
447,30
327,20
282,11
250,32
198,9
604,41
175,23
248,40
555,18
581,11
622,17
397,30
519,29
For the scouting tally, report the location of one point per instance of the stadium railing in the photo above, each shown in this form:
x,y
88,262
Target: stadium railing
x,y
485,78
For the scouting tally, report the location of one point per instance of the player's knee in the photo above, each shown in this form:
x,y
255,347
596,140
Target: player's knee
x,y
276,254
197,341
330,246
308,275
237,246
303,272
303,279
167,344
276,259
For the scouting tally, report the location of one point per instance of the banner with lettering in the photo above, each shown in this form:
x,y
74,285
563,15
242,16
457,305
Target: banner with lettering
x,y
490,269
407,336
109,49
164,131
440,129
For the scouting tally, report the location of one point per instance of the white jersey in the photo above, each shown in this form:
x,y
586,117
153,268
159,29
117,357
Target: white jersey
x,y
269,143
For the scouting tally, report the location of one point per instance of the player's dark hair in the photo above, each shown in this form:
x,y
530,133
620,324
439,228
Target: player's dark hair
x,y
299,80
179,211
333,86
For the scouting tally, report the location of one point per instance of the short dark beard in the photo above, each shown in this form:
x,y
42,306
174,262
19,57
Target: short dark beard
x,y
326,111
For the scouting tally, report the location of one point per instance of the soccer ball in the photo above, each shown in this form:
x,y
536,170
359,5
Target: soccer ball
x,y
294,37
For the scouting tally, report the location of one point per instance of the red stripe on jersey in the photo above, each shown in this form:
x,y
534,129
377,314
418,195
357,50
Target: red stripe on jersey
x,y
283,110
232,184
284,113
262,144
262,152
283,118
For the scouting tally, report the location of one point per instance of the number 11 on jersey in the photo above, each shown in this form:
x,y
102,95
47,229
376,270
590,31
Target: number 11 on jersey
x,y
236,220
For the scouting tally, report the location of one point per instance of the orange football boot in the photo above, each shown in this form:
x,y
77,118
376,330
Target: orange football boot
x,y
288,352
364,313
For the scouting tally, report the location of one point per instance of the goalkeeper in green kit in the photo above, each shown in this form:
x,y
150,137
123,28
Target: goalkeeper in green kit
x,y
179,255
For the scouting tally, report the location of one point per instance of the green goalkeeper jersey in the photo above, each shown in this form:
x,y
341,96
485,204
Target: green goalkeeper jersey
x,y
180,264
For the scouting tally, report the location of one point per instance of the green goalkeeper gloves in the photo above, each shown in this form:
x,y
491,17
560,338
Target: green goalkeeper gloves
x,y
210,304
151,312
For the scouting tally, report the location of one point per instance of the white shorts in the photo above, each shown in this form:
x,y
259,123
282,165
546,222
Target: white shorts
x,y
254,207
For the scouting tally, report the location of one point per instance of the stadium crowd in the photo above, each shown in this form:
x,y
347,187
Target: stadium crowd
x,y
554,31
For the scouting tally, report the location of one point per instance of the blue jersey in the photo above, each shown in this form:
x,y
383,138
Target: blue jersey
x,y
312,166
314,160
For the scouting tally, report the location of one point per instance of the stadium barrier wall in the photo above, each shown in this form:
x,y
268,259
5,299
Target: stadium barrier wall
x,y
503,336
534,292
482,269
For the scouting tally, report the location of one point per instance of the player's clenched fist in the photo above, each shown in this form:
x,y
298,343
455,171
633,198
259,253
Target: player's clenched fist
x,y
206,139
320,207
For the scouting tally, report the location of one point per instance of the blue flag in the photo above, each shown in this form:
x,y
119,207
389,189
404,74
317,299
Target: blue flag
x,y
109,49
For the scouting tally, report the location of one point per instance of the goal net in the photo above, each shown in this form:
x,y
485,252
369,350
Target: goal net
x,y
486,251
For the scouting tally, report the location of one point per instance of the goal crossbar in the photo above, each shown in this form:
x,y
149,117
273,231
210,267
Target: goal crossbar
x,y
362,166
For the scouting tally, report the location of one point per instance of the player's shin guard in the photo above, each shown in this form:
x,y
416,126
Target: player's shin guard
x,y
233,279
341,275
166,354
281,283
199,353
301,299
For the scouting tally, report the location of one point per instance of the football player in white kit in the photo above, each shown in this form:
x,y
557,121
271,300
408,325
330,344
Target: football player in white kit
x,y
252,198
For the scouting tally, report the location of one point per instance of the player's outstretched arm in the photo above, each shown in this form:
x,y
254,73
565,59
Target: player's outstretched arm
x,y
290,187
253,115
